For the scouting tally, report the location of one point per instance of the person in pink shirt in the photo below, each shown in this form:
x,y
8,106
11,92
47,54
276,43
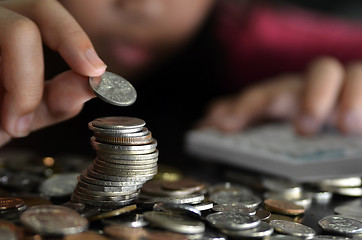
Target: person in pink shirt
x,y
281,63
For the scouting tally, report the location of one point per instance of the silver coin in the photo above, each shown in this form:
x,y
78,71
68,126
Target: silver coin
x,y
211,234
93,197
59,185
183,209
88,179
284,237
349,210
124,149
128,157
189,199
283,186
232,221
329,237
175,222
117,123
292,228
341,225
100,188
53,220
123,173
227,197
101,132
125,166
128,162
342,182
102,203
234,207
113,89
204,206
261,231
130,220
101,193
227,186
345,191
107,177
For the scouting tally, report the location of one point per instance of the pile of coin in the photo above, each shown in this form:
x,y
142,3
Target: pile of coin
x,y
126,159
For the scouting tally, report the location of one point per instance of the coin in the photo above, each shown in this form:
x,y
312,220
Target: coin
x,y
8,231
89,235
284,237
129,219
329,237
345,191
342,182
292,228
59,185
280,217
340,225
175,222
163,235
155,188
204,206
53,220
261,231
247,199
78,207
11,203
232,220
234,207
183,184
125,232
113,89
114,213
263,214
283,186
283,207
183,209
229,187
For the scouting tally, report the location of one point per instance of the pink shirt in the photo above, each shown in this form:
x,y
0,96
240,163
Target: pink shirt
x,y
267,41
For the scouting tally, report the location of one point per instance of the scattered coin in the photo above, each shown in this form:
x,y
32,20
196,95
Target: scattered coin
x,y
183,209
263,214
292,228
204,206
249,200
234,207
232,220
59,185
284,237
130,220
340,225
53,220
283,207
329,237
113,89
114,213
89,235
261,231
125,232
174,222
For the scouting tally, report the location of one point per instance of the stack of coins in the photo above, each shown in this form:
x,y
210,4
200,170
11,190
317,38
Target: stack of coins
x,y
126,159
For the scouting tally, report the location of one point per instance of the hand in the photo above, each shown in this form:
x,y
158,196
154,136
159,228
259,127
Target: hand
x,y
326,93
28,103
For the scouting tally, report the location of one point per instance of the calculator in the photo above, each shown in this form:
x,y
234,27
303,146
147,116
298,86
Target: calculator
x,y
277,150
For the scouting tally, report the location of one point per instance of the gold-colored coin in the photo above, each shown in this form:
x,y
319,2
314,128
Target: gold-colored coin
x,y
11,202
283,207
168,173
114,213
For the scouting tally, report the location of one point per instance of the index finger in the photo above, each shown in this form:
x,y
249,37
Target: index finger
x,y
62,33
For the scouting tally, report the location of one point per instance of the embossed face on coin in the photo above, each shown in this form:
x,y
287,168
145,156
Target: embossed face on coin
x,y
113,89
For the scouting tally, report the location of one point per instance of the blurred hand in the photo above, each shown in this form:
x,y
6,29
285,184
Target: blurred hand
x,y
326,93
26,101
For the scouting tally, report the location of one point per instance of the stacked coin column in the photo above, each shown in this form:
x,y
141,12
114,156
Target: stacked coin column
x,y
126,159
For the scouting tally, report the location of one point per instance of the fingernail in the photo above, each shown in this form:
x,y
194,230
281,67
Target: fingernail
x,y
353,122
94,59
23,124
307,124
